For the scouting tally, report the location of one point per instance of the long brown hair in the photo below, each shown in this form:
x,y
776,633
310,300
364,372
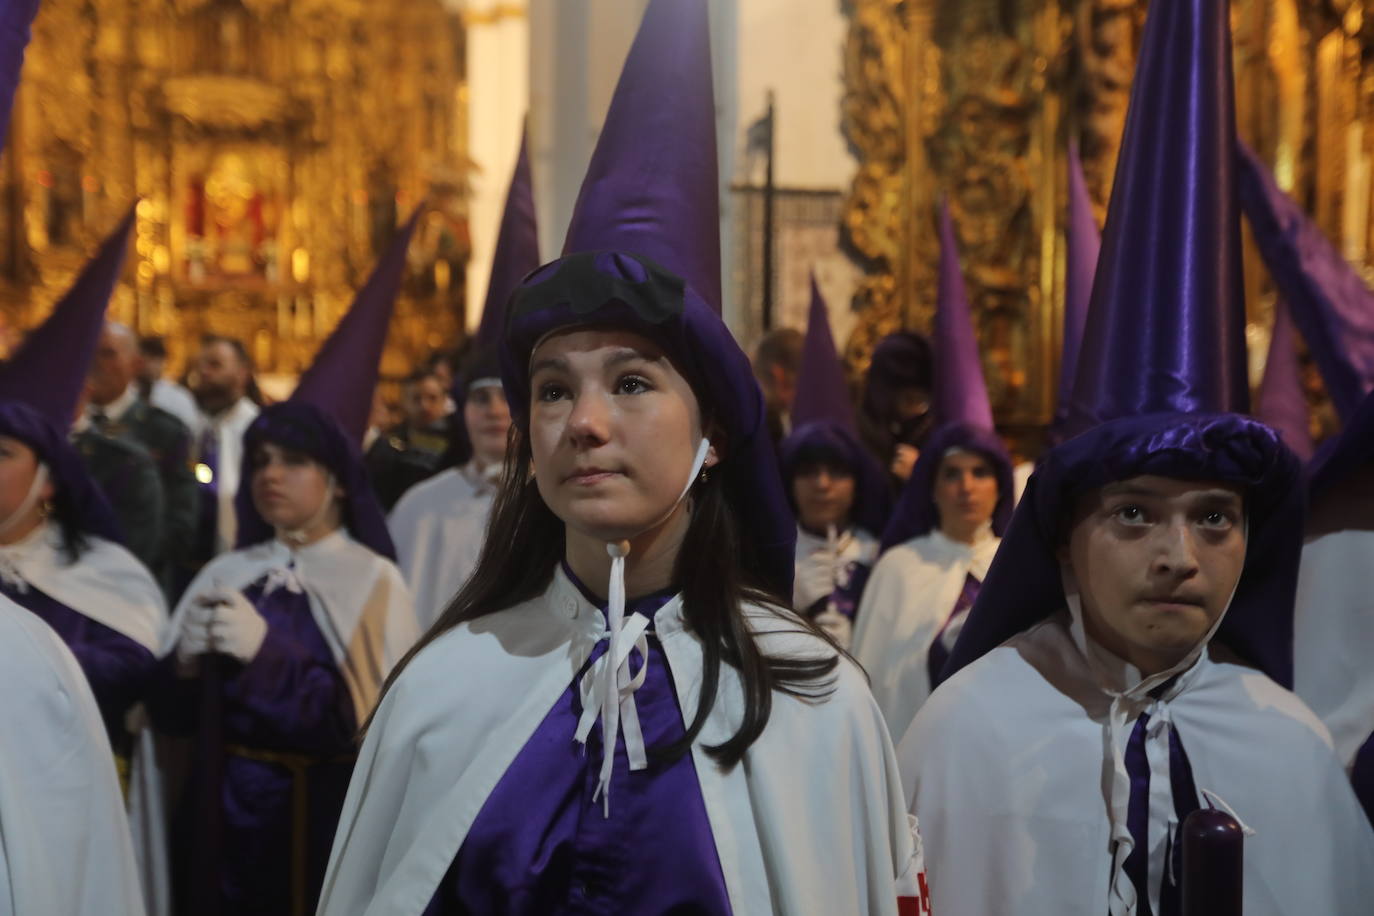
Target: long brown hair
x,y
525,542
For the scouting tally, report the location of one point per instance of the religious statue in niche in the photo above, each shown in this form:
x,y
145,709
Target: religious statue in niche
x,y
232,215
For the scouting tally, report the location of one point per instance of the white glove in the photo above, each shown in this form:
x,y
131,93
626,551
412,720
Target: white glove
x,y
194,638
840,627
236,628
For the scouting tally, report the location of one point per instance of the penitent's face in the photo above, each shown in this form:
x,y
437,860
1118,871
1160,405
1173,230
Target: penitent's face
x,y
824,494
1156,561
290,488
614,429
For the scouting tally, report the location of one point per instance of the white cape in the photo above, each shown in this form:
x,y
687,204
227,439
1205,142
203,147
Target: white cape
x,y
356,597
909,596
64,838
439,526
1005,765
107,584
111,586
1333,636
811,822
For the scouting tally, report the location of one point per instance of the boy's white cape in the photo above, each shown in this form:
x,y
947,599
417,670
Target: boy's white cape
x,y
812,821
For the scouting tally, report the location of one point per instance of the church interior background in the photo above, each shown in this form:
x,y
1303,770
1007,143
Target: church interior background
x,y
273,146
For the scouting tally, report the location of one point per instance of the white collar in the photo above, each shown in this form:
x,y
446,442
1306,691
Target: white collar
x,y
242,409
117,408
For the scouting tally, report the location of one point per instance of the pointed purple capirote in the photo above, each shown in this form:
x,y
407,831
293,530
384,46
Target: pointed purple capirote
x,y
1161,384
1084,242
517,252
1166,327
343,376
1331,305
16,17
1280,402
961,395
48,371
652,187
822,391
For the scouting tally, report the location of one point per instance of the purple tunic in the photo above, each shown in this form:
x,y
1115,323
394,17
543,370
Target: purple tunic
x,y
541,846
118,668
289,707
1362,775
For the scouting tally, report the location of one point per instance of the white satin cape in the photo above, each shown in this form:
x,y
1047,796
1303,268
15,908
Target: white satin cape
x,y
64,837
909,596
1005,765
1333,636
439,526
811,822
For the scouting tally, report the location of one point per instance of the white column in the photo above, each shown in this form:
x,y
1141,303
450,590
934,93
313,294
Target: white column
x,y
577,49
498,55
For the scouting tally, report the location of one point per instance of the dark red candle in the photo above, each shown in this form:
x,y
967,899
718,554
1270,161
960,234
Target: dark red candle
x,y
1213,844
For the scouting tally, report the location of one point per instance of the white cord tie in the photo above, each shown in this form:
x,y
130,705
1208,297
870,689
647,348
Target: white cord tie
x,y
282,577
610,678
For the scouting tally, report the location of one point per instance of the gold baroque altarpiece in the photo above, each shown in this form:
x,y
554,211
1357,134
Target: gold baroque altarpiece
x,y
978,99
273,146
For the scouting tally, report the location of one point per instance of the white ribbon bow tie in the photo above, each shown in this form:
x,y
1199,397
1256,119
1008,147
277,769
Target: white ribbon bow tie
x,y
608,690
282,577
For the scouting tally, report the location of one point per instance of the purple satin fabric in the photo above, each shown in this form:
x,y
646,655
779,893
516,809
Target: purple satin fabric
x,y
1332,306
1166,327
1281,401
1138,819
1083,241
824,441
118,669
1023,586
938,654
652,186
822,389
48,371
15,19
1362,777
961,394
291,698
845,598
342,378
541,845
915,513
1342,455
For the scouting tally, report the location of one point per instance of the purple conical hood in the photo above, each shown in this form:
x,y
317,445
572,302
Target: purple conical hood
x,y
1281,402
341,380
517,252
822,392
652,187
48,371
1166,328
1331,305
1084,242
961,395
16,16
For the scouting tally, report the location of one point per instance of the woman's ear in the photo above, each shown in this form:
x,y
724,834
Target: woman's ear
x,y
717,447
